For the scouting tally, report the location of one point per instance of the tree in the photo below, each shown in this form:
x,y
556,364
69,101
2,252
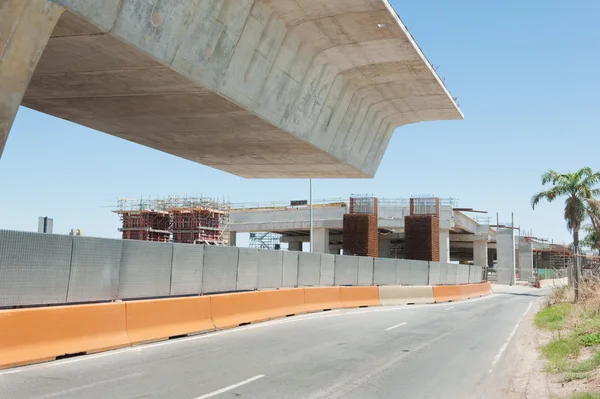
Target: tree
x,y
580,202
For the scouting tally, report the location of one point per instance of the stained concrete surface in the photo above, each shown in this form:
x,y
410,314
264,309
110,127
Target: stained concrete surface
x,y
443,351
257,88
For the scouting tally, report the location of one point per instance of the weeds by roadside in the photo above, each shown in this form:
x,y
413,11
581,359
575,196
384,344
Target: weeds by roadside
x,y
574,350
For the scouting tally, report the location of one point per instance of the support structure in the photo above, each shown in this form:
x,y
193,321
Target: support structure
x,y
320,240
232,238
505,239
444,246
25,27
525,260
480,253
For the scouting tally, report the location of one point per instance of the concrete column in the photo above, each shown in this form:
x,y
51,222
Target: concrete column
x,y
505,247
444,246
480,253
321,240
25,27
385,248
525,260
295,246
232,238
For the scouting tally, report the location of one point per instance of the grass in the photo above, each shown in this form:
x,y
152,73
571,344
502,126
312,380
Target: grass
x,y
559,352
554,317
592,339
575,376
587,365
586,395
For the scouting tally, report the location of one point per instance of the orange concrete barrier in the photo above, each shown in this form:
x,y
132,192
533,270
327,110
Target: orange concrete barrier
x,y
447,293
153,320
354,297
231,310
40,334
475,290
321,298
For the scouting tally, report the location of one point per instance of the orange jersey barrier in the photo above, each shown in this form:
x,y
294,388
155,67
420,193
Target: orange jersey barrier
x,y
321,298
153,320
354,297
39,334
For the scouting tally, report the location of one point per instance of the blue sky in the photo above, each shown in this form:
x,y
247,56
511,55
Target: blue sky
x,y
526,75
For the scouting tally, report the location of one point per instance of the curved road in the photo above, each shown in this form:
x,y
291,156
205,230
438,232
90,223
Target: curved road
x,y
423,351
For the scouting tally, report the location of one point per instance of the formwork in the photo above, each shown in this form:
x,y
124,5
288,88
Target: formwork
x,y
361,233
145,225
197,226
422,230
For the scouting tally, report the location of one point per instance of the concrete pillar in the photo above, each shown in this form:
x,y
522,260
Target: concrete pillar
x,y
444,246
295,246
505,247
385,248
25,27
321,240
525,260
232,238
480,253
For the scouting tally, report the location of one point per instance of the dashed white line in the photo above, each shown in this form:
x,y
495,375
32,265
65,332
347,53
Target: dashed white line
x,y
510,337
86,386
396,326
451,307
230,387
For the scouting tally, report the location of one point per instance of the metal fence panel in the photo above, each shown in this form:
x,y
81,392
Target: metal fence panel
x,y
402,272
95,265
247,274
452,273
290,269
475,274
309,269
346,270
419,272
34,268
365,270
434,273
219,273
384,271
186,273
327,270
145,269
270,269
463,274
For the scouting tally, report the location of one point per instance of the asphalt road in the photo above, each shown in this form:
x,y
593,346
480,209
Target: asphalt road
x,y
422,351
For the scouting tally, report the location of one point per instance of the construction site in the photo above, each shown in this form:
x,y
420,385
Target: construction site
x,y
187,220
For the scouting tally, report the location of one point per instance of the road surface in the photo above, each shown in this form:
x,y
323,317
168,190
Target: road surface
x,y
449,350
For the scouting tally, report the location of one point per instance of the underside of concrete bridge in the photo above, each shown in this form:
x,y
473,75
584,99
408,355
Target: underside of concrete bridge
x,y
257,88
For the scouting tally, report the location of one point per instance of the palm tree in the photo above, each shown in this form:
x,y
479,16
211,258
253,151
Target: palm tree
x,y
578,188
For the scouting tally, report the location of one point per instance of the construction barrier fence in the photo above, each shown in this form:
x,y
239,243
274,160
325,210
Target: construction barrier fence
x,y
49,269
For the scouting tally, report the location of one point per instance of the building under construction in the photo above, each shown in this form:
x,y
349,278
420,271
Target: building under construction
x,y
196,220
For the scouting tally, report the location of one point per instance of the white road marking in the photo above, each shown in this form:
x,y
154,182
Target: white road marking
x,y
510,337
81,387
451,307
337,313
230,387
392,327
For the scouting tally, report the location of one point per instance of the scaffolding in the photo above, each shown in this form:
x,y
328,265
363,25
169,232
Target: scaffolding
x,y
265,240
189,220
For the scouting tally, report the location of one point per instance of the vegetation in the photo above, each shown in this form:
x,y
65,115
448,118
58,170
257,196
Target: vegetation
x,y
586,395
574,350
578,189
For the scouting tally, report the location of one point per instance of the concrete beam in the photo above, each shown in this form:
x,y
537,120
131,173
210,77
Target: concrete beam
x,y
287,88
25,27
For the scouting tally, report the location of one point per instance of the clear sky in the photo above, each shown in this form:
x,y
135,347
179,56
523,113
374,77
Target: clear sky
x,y
527,77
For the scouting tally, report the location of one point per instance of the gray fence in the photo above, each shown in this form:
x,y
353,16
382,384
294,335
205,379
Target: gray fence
x,y
40,269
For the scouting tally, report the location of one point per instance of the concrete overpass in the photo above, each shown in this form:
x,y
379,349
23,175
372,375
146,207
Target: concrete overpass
x,y
462,238
257,88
